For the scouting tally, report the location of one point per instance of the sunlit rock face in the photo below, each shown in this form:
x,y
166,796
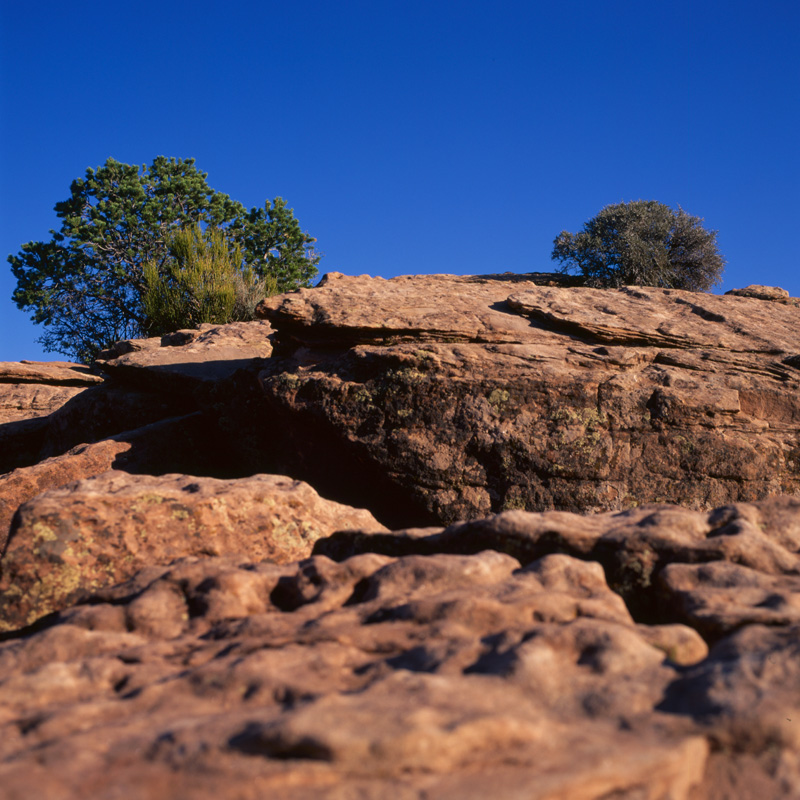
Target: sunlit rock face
x,y
431,537
468,396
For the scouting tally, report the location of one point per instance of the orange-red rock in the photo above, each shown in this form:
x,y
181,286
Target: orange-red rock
x,y
71,541
468,396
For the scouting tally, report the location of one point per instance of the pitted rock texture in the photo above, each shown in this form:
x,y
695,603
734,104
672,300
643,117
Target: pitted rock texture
x,y
68,542
427,676
715,571
479,665
468,396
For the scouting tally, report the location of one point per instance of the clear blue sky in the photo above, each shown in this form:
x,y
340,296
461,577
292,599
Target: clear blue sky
x,y
416,136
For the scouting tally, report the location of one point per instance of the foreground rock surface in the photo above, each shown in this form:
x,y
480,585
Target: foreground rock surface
x,y
470,395
460,674
68,542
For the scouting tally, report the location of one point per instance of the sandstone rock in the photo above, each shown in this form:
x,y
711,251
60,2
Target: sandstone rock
x,y
647,651
712,570
128,346
490,658
453,676
54,373
68,542
71,407
105,411
774,293
453,397
183,360
149,383
474,664
24,401
29,391
167,446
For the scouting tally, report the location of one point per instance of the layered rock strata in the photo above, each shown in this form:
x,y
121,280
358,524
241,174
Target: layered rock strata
x,y
469,396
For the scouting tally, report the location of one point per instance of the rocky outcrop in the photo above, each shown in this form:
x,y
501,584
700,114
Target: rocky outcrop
x,y
468,396
180,361
31,389
454,672
182,620
715,571
144,417
773,293
29,392
171,445
68,542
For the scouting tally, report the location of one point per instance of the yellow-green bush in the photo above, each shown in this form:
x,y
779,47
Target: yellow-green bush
x,y
202,279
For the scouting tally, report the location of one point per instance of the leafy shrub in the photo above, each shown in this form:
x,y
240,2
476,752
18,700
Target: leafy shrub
x,y
642,243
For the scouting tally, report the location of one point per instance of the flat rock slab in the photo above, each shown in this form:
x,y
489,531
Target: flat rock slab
x,y
473,395
186,359
409,308
57,373
32,389
70,541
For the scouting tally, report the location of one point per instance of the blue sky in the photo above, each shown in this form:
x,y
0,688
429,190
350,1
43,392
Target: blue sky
x,y
416,137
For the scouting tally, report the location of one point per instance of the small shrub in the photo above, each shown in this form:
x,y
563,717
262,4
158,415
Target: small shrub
x,y
202,279
642,243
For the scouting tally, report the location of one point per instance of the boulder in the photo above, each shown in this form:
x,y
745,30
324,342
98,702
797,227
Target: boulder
x,y
774,293
166,446
66,542
455,397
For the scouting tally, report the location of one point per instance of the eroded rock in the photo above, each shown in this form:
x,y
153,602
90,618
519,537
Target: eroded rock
x,y
170,445
440,675
184,360
774,293
648,651
29,392
468,396
71,541
715,571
